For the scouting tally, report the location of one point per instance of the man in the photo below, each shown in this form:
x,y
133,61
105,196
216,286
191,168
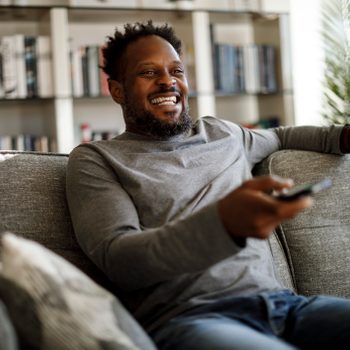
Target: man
x,y
169,211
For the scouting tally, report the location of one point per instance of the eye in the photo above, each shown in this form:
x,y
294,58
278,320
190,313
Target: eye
x,y
178,71
148,73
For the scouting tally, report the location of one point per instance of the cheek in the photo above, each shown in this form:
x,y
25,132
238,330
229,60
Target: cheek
x,y
184,86
140,91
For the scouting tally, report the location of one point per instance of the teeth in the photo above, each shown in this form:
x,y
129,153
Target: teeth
x,y
164,100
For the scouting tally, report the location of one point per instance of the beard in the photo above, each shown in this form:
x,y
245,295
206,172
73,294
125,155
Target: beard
x,y
150,125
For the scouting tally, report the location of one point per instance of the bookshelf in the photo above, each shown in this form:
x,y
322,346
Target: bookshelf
x,y
71,26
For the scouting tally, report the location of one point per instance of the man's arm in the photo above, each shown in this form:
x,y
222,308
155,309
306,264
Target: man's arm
x,y
259,144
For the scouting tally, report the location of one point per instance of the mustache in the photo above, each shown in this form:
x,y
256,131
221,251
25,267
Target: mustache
x,y
167,89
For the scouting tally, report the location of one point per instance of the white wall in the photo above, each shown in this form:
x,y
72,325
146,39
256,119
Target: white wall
x,y
307,56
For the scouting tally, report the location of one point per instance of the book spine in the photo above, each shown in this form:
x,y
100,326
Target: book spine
x,y
93,73
85,73
2,92
251,69
262,69
77,73
31,65
44,66
228,68
233,70
9,67
5,143
240,69
103,76
20,66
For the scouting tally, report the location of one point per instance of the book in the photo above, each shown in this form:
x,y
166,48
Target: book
x,y
224,63
104,88
270,60
2,92
85,72
93,70
262,69
19,142
20,66
44,66
31,66
77,73
239,69
267,71
8,52
5,142
251,69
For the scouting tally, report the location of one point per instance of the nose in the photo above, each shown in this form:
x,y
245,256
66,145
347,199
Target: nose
x,y
166,80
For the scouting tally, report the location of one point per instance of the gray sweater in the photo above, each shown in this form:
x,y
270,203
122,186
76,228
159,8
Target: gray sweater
x,y
145,211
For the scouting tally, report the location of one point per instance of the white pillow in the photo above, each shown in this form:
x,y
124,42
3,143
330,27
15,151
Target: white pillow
x,y
53,305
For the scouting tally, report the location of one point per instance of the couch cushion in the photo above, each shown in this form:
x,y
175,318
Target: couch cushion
x,y
8,337
33,205
55,306
317,241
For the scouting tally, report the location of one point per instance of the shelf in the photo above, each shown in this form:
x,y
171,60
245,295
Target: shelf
x,y
269,94
71,27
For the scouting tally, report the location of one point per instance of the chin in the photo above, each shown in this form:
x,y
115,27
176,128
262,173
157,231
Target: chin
x,y
171,117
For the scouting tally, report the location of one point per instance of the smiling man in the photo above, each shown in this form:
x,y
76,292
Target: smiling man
x,y
154,92
170,212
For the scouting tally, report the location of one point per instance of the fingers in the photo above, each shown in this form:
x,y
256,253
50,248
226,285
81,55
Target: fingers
x,y
288,210
249,211
268,183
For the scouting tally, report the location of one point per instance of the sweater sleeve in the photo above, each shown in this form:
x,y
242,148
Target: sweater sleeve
x,y
108,228
259,144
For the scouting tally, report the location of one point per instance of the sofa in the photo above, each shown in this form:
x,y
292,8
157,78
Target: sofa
x,y
311,251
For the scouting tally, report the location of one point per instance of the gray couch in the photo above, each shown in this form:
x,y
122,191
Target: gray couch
x,y
311,251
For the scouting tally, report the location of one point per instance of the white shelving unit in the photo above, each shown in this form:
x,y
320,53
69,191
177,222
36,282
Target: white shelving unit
x,y
73,26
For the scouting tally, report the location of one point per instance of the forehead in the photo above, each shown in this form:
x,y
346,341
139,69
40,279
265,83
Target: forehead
x,y
149,49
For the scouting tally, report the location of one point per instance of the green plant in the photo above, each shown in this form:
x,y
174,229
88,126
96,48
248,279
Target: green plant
x,y
336,39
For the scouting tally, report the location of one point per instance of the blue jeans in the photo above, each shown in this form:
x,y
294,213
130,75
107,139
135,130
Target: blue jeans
x,y
277,320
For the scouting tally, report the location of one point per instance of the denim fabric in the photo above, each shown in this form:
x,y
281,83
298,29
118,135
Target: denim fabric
x,y
277,320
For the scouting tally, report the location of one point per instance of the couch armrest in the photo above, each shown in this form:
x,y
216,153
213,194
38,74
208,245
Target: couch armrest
x,y
317,241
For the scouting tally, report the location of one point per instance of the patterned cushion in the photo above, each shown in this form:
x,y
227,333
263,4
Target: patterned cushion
x,y
54,305
317,241
8,338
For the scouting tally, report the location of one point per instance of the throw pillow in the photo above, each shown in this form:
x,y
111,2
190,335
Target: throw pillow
x,y
5,156
8,339
54,306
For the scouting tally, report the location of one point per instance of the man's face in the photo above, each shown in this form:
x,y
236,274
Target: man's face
x,y
155,89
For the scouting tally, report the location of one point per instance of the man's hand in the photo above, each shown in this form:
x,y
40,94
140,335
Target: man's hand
x,y
251,210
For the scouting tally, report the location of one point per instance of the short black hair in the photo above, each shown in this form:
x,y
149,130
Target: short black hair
x,y
115,46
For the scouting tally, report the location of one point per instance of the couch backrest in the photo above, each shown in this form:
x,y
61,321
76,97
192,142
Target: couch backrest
x,y
312,251
33,205
317,242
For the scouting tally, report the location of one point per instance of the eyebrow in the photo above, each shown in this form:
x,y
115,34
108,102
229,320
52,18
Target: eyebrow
x,y
150,63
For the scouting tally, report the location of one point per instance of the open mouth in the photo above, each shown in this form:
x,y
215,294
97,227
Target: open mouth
x,y
165,100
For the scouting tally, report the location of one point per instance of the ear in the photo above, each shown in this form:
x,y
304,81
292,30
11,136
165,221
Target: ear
x,y
117,91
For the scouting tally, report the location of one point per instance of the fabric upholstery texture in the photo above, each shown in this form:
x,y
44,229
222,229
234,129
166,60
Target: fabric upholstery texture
x,y
317,242
311,251
33,205
8,337
54,306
